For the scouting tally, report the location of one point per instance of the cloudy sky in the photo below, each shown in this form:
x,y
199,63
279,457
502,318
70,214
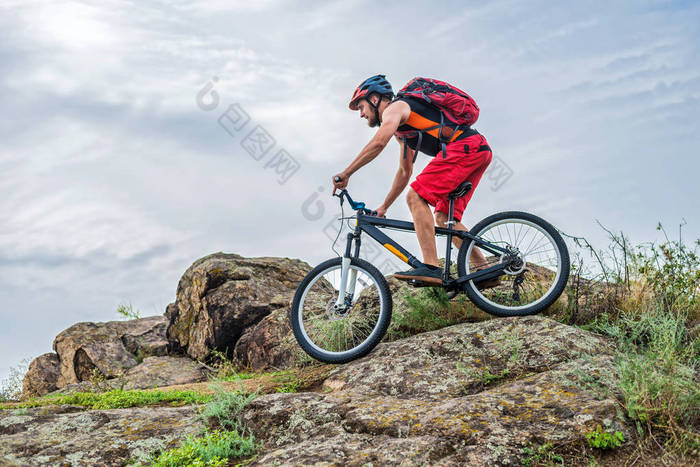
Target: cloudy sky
x,y
124,155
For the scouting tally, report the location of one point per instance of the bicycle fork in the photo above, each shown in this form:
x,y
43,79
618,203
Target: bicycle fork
x,y
348,277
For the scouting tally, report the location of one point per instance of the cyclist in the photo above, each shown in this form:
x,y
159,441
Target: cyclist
x,y
466,157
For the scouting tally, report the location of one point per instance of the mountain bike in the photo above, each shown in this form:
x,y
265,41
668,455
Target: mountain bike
x,y
342,308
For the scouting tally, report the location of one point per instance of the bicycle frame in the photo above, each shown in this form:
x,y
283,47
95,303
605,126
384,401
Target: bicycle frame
x,y
371,224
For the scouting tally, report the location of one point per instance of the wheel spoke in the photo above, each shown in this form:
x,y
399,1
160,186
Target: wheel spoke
x,y
332,330
522,284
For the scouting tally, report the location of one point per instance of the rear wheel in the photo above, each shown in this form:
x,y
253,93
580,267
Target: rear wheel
x,y
338,333
536,277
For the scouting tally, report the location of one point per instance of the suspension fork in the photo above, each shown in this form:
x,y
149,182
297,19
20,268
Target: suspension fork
x,y
347,287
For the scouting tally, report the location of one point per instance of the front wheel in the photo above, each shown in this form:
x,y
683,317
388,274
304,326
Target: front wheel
x,y
335,329
536,277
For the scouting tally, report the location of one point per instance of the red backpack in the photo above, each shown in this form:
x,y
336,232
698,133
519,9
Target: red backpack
x,y
456,104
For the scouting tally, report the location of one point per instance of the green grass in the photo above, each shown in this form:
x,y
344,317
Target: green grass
x,y
116,399
427,310
238,376
212,449
540,454
657,365
483,375
225,406
127,311
647,297
600,439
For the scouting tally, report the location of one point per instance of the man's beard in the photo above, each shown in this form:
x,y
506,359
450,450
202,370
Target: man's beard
x,y
373,122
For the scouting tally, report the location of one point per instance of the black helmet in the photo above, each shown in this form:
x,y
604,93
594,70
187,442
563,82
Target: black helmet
x,y
376,83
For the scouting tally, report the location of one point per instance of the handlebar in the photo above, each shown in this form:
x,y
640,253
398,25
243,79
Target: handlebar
x,y
356,205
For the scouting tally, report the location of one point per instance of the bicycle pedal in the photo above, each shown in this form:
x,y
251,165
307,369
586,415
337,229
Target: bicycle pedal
x,y
417,283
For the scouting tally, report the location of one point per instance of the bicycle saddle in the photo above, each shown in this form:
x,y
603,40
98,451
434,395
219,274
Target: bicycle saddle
x,y
460,191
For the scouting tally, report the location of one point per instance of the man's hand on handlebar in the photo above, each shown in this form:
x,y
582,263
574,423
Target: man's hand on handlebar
x,y
340,181
380,211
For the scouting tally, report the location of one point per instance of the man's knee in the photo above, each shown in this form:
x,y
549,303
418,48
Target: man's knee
x,y
412,197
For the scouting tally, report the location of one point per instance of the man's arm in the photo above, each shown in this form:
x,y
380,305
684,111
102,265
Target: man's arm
x,y
403,175
391,119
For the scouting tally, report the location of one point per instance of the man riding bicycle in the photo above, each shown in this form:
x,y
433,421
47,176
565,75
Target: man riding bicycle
x,y
460,154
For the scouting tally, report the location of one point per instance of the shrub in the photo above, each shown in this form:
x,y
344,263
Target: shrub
x,y
128,311
600,439
11,387
225,406
645,298
426,310
212,449
541,454
657,367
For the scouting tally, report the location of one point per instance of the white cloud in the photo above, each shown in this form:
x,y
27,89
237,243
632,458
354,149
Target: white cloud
x,y
113,181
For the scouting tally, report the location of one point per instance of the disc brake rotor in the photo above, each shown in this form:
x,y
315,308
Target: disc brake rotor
x,y
336,313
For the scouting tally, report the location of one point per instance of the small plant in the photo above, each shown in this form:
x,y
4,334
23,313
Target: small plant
x,y
98,380
291,386
225,367
211,450
426,310
600,439
128,311
673,271
542,453
11,387
483,375
225,406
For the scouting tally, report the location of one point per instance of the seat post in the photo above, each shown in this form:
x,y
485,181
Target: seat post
x,y
448,248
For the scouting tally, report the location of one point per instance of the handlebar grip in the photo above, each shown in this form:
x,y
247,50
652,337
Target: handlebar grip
x,y
337,179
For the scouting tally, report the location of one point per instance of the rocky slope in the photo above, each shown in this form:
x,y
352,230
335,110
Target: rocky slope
x,y
470,394
476,393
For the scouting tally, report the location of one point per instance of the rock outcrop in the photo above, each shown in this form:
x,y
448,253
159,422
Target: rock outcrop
x,y
222,295
153,372
116,354
267,345
476,393
107,349
42,376
470,394
69,435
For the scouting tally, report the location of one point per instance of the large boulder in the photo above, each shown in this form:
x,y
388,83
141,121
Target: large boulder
x,y
42,376
68,435
107,349
470,394
269,345
221,295
153,372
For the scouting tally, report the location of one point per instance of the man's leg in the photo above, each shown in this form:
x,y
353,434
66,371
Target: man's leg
x,y
425,226
476,256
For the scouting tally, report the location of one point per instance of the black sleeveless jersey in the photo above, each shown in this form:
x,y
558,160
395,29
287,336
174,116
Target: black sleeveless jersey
x,y
419,128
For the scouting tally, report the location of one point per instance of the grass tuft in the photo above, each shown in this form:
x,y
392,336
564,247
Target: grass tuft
x,y
213,449
116,399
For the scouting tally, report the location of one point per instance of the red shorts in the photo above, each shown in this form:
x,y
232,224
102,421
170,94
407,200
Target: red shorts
x,y
464,161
